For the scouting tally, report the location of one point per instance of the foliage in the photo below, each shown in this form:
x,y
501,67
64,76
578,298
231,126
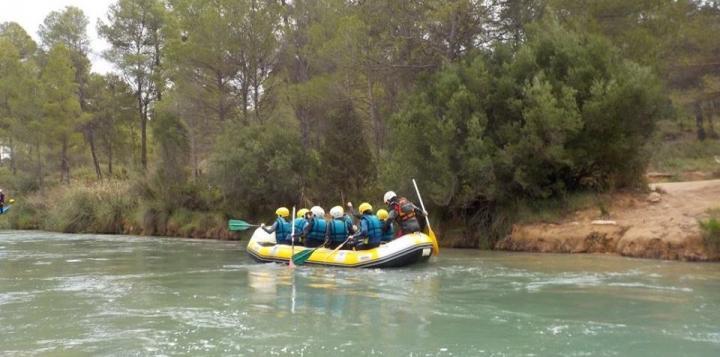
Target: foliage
x,y
346,163
501,109
565,113
257,166
711,229
62,110
134,29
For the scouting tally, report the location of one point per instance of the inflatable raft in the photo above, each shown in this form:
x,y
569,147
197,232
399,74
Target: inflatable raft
x,y
406,250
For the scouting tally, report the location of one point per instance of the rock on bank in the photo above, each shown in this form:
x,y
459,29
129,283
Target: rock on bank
x,y
663,225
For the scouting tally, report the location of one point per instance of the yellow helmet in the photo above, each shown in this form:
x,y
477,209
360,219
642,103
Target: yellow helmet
x,y
282,212
364,207
301,212
382,214
12,200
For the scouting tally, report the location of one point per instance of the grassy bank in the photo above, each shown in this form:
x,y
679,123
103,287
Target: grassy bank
x,y
711,229
112,208
676,151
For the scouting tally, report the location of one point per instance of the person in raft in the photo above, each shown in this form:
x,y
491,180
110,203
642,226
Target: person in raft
x,y
299,223
338,228
370,232
403,212
389,233
281,226
2,201
314,231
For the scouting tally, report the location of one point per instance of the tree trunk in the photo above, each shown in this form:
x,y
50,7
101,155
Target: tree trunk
x,y
64,164
699,121
110,160
378,126
256,99
245,88
96,164
39,172
712,134
13,166
143,139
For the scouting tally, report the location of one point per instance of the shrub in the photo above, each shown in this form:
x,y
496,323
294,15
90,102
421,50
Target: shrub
x,y
711,233
565,113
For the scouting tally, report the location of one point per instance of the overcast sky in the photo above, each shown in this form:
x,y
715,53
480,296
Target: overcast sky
x,y
31,13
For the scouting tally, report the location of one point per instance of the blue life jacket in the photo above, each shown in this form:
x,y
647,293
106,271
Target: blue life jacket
x,y
349,220
299,225
318,230
389,235
374,228
282,231
338,230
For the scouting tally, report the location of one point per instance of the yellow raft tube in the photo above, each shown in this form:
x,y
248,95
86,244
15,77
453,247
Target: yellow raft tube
x,y
406,250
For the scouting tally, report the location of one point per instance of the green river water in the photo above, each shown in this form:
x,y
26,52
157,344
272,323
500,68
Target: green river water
x,y
112,295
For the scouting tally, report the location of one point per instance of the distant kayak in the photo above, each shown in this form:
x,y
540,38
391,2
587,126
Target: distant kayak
x,y
406,250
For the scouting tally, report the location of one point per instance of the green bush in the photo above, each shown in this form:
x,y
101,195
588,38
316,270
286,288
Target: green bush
x,y
257,167
564,113
711,232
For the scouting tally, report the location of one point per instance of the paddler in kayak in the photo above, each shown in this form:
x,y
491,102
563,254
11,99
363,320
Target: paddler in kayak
x,y
2,201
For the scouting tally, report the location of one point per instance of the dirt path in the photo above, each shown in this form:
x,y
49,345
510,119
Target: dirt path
x,y
664,229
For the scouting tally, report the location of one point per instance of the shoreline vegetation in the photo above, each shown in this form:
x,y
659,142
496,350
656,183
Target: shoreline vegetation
x,y
674,221
111,208
518,119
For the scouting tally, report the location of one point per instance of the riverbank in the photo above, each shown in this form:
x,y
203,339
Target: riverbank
x,y
659,225
112,208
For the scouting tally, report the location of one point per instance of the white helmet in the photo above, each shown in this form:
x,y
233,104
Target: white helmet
x,y
337,212
318,211
389,196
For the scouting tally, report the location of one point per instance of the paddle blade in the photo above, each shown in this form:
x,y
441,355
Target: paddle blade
x,y
239,225
301,257
435,246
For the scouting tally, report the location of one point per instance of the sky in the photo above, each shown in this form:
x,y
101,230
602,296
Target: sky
x,y
31,13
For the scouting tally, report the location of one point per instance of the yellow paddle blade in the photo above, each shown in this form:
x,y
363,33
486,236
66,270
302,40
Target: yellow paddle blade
x,y
435,246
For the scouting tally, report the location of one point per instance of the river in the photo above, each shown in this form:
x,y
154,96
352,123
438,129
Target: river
x,y
115,295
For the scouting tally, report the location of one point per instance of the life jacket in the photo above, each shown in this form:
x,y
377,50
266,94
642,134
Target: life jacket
x,y
338,230
299,225
317,232
282,230
405,209
374,228
389,235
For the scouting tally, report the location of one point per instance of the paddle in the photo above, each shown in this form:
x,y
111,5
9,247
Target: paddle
x,y
291,264
301,257
338,247
239,225
431,234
